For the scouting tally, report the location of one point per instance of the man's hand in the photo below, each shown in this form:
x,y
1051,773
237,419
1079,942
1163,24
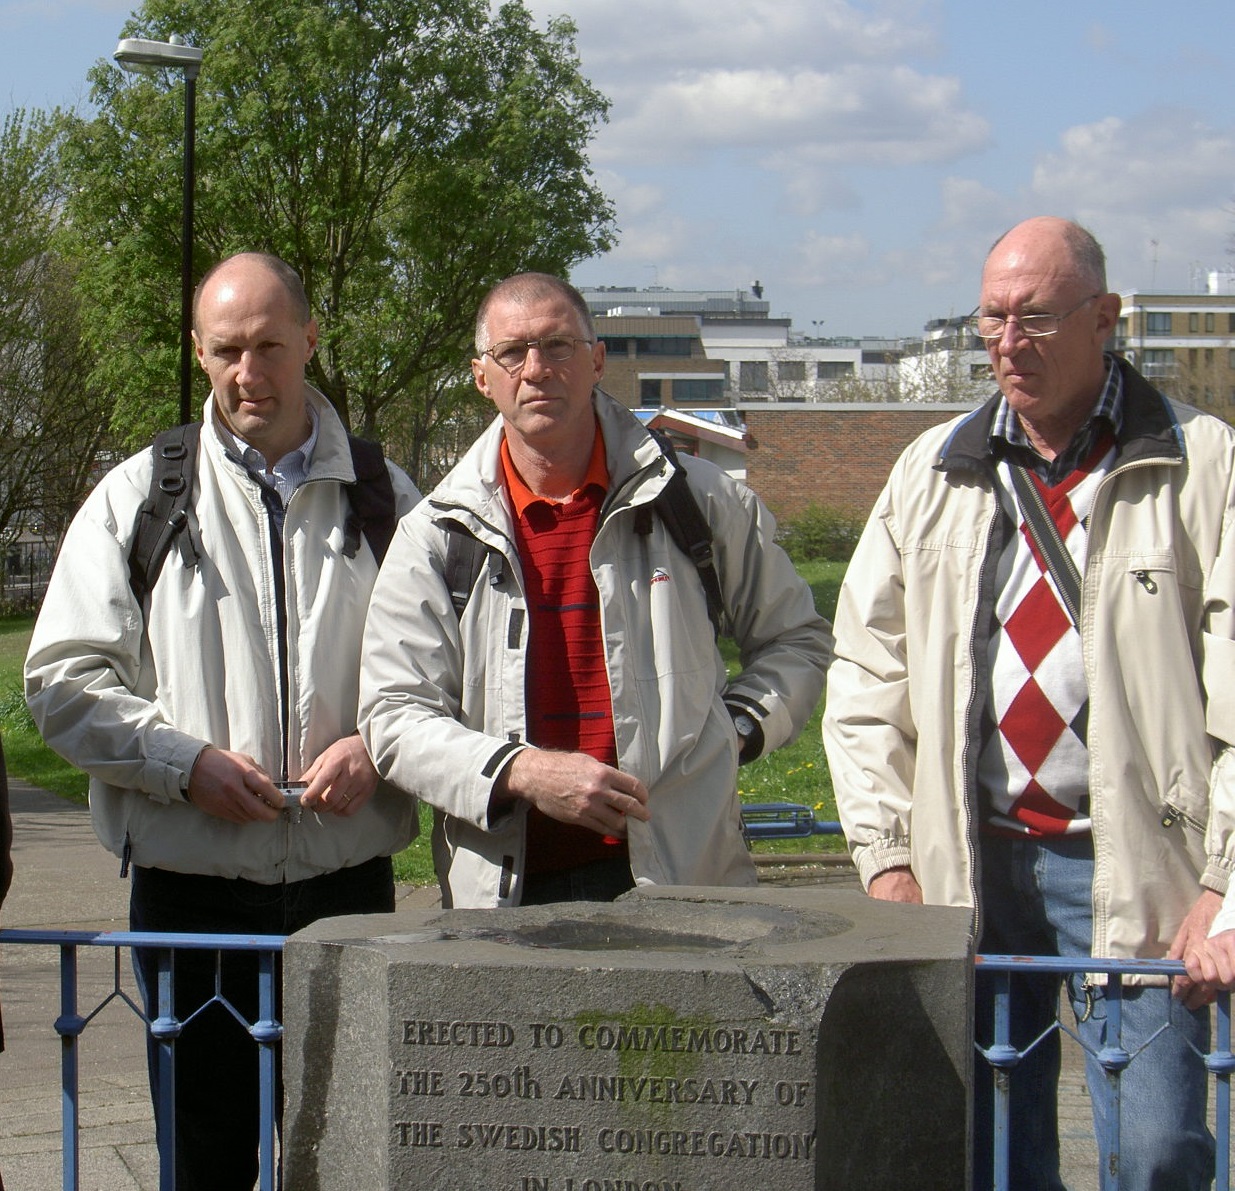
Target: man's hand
x,y
341,780
574,788
1213,962
234,787
896,885
1191,944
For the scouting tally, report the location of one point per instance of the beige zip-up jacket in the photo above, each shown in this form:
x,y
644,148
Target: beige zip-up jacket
x,y
442,697
909,683
133,699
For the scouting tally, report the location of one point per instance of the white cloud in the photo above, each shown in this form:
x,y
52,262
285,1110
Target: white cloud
x,y
811,189
1164,176
860,157
633,40
830,260
632,200
857,114
1166,156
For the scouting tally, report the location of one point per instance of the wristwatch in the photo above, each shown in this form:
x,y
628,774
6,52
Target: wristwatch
x,y
748,732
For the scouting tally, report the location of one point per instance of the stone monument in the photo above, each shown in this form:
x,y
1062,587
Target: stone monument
x,y
675,1040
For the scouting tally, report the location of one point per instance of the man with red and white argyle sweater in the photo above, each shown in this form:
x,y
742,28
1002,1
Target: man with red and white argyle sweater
x,y
1031,707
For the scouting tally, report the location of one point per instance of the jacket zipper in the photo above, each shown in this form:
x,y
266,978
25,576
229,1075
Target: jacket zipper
x,y
971,791
1171,815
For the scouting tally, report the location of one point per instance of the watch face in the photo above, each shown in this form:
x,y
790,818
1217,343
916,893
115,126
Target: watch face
x,y
744,724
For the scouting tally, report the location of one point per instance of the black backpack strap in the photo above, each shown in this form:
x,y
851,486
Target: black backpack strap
x,y
465,559
373,509
166,516
679,510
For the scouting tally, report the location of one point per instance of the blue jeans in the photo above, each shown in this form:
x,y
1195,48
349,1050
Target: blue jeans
x,y
1037,900
217,1082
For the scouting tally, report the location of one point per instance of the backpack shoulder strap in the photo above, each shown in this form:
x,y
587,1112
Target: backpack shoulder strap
x,y
679,510
371,499
165,517
465,559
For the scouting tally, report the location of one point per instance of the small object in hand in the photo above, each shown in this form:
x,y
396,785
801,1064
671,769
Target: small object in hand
x,y
291,792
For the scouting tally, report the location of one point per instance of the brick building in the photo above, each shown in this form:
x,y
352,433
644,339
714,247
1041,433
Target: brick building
x,y
835,455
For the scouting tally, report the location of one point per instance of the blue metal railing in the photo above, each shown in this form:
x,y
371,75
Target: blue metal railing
x,y
164,1028
783,820
1113,1057
267,1030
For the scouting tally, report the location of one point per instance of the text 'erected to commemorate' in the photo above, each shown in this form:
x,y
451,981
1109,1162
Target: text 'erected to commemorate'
x,y
679,1087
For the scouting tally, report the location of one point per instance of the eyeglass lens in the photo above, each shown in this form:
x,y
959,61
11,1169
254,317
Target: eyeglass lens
x,y
513,353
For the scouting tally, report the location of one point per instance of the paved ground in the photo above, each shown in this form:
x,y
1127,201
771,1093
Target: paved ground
x,y
65,880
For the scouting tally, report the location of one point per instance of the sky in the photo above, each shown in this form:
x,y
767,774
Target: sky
x,y
857,158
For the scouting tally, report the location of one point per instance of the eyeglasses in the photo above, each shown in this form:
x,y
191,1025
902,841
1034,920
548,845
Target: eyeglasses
x,y
991,326
511,354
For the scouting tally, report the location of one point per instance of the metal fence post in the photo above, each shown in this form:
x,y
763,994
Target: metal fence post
x,y
69,1026
268,1032
1220,1063
1114,1059
165,1029
1002,1057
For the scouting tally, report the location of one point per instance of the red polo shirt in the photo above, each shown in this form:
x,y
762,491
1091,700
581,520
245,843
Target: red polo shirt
x,y
569,705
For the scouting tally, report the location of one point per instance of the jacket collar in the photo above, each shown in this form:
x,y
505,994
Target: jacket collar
x,y
1150,430
332,456
475,482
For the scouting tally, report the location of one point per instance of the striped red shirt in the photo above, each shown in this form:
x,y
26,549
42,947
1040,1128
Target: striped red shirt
x,y
569,705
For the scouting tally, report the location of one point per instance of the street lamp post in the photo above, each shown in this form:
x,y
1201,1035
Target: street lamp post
x,y
145,57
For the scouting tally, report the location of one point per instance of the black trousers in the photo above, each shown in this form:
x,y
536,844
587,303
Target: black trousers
x,y
217,1084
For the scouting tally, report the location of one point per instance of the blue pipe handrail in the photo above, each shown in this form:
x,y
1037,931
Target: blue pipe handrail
x,y
164,1028
1003,1057
267,1031
783,820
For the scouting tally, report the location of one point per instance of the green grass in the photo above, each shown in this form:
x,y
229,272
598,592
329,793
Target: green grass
x,y
797,773
25,754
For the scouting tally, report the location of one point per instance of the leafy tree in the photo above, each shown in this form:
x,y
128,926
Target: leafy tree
x,y
51,420
401,154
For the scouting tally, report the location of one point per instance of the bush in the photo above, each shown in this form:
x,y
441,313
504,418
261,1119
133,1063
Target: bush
x,y
821,533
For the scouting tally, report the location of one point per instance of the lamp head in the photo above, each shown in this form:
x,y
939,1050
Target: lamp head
x,y
145,57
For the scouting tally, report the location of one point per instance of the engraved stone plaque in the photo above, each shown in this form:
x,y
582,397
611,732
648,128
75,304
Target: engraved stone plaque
x,y
674,1040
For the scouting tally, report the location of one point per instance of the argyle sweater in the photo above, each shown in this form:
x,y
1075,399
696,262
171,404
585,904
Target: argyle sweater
x,y
1034,766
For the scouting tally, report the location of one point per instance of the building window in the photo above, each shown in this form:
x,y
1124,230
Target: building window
x,y
791,370
664,345
833,369
1230,358
1230,324
1158,323
1159,362
1194,322
707,390
1209,323
649,391
753,376
1192,357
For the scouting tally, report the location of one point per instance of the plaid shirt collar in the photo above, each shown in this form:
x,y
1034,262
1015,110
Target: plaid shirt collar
x,y
1008,437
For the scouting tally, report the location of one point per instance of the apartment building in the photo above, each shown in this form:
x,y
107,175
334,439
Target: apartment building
x,y
709,348
1185,343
